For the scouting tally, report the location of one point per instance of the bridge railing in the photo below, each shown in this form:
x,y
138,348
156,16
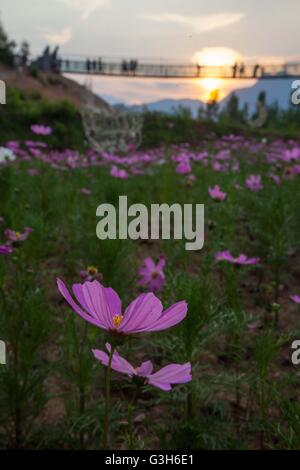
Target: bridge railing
x,y
135,69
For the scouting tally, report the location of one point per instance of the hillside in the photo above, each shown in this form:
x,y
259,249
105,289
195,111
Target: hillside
x,y
52,87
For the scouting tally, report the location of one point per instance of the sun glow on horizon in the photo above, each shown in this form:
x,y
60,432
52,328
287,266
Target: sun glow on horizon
x,y
212,57
211,87
216,56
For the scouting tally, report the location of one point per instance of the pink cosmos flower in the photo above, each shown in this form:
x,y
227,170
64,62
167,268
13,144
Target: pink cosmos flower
x,y
190,179
41,130
253,182
235,167
296,169
118,173
183,168
245,260
295,298
35,144
32,172
241,259
5,250
216,193
90,274
217,166
224,256
101,306
36,152
275,178
152,275
163,379
16,237
85,191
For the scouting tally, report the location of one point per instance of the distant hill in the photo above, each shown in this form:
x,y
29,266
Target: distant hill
x,y
277,90
171,106
112,100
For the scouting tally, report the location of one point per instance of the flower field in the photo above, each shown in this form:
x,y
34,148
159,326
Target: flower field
x,y
108,342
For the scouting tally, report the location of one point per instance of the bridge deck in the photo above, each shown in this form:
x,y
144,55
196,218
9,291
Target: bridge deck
x,y
144,70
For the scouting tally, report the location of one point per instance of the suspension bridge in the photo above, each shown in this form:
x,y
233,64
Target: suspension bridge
x,y
135,69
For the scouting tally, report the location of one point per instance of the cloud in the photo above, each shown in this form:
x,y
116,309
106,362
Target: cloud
x,y
57,37
199,24
216,56
86,7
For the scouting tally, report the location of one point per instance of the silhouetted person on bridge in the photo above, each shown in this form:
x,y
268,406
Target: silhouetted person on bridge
x,y
54,61
46,52
133,66
94,65
48,61
99,64
88,65
234,70
198,70
124,66
256,70
242,70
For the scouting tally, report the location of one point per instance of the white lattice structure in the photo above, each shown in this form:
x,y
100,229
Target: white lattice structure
x,y
262,115
111,130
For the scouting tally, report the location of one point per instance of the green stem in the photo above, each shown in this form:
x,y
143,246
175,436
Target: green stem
x,y
107,401
130,427
263,413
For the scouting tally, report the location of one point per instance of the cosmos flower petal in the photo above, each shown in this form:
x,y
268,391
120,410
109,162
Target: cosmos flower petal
x,y
103,302
171,374
145,369
163,386
143,271
65,293
119,364
150,265
224,256
170,317
77,291
295,298
161,264
140,313
5,250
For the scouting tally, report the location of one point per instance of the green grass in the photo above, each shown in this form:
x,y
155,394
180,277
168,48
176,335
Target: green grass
x,y
51,389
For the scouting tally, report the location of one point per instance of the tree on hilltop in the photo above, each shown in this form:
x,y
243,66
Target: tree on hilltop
x,y
6,48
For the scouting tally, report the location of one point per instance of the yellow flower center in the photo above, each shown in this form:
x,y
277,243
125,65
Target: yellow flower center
x,y
117,319
17,235
92,270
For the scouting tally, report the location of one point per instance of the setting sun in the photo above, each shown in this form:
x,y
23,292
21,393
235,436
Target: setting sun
x,y
211,87
214,57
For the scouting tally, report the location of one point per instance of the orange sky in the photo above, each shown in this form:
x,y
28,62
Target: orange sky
x,y
138,90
